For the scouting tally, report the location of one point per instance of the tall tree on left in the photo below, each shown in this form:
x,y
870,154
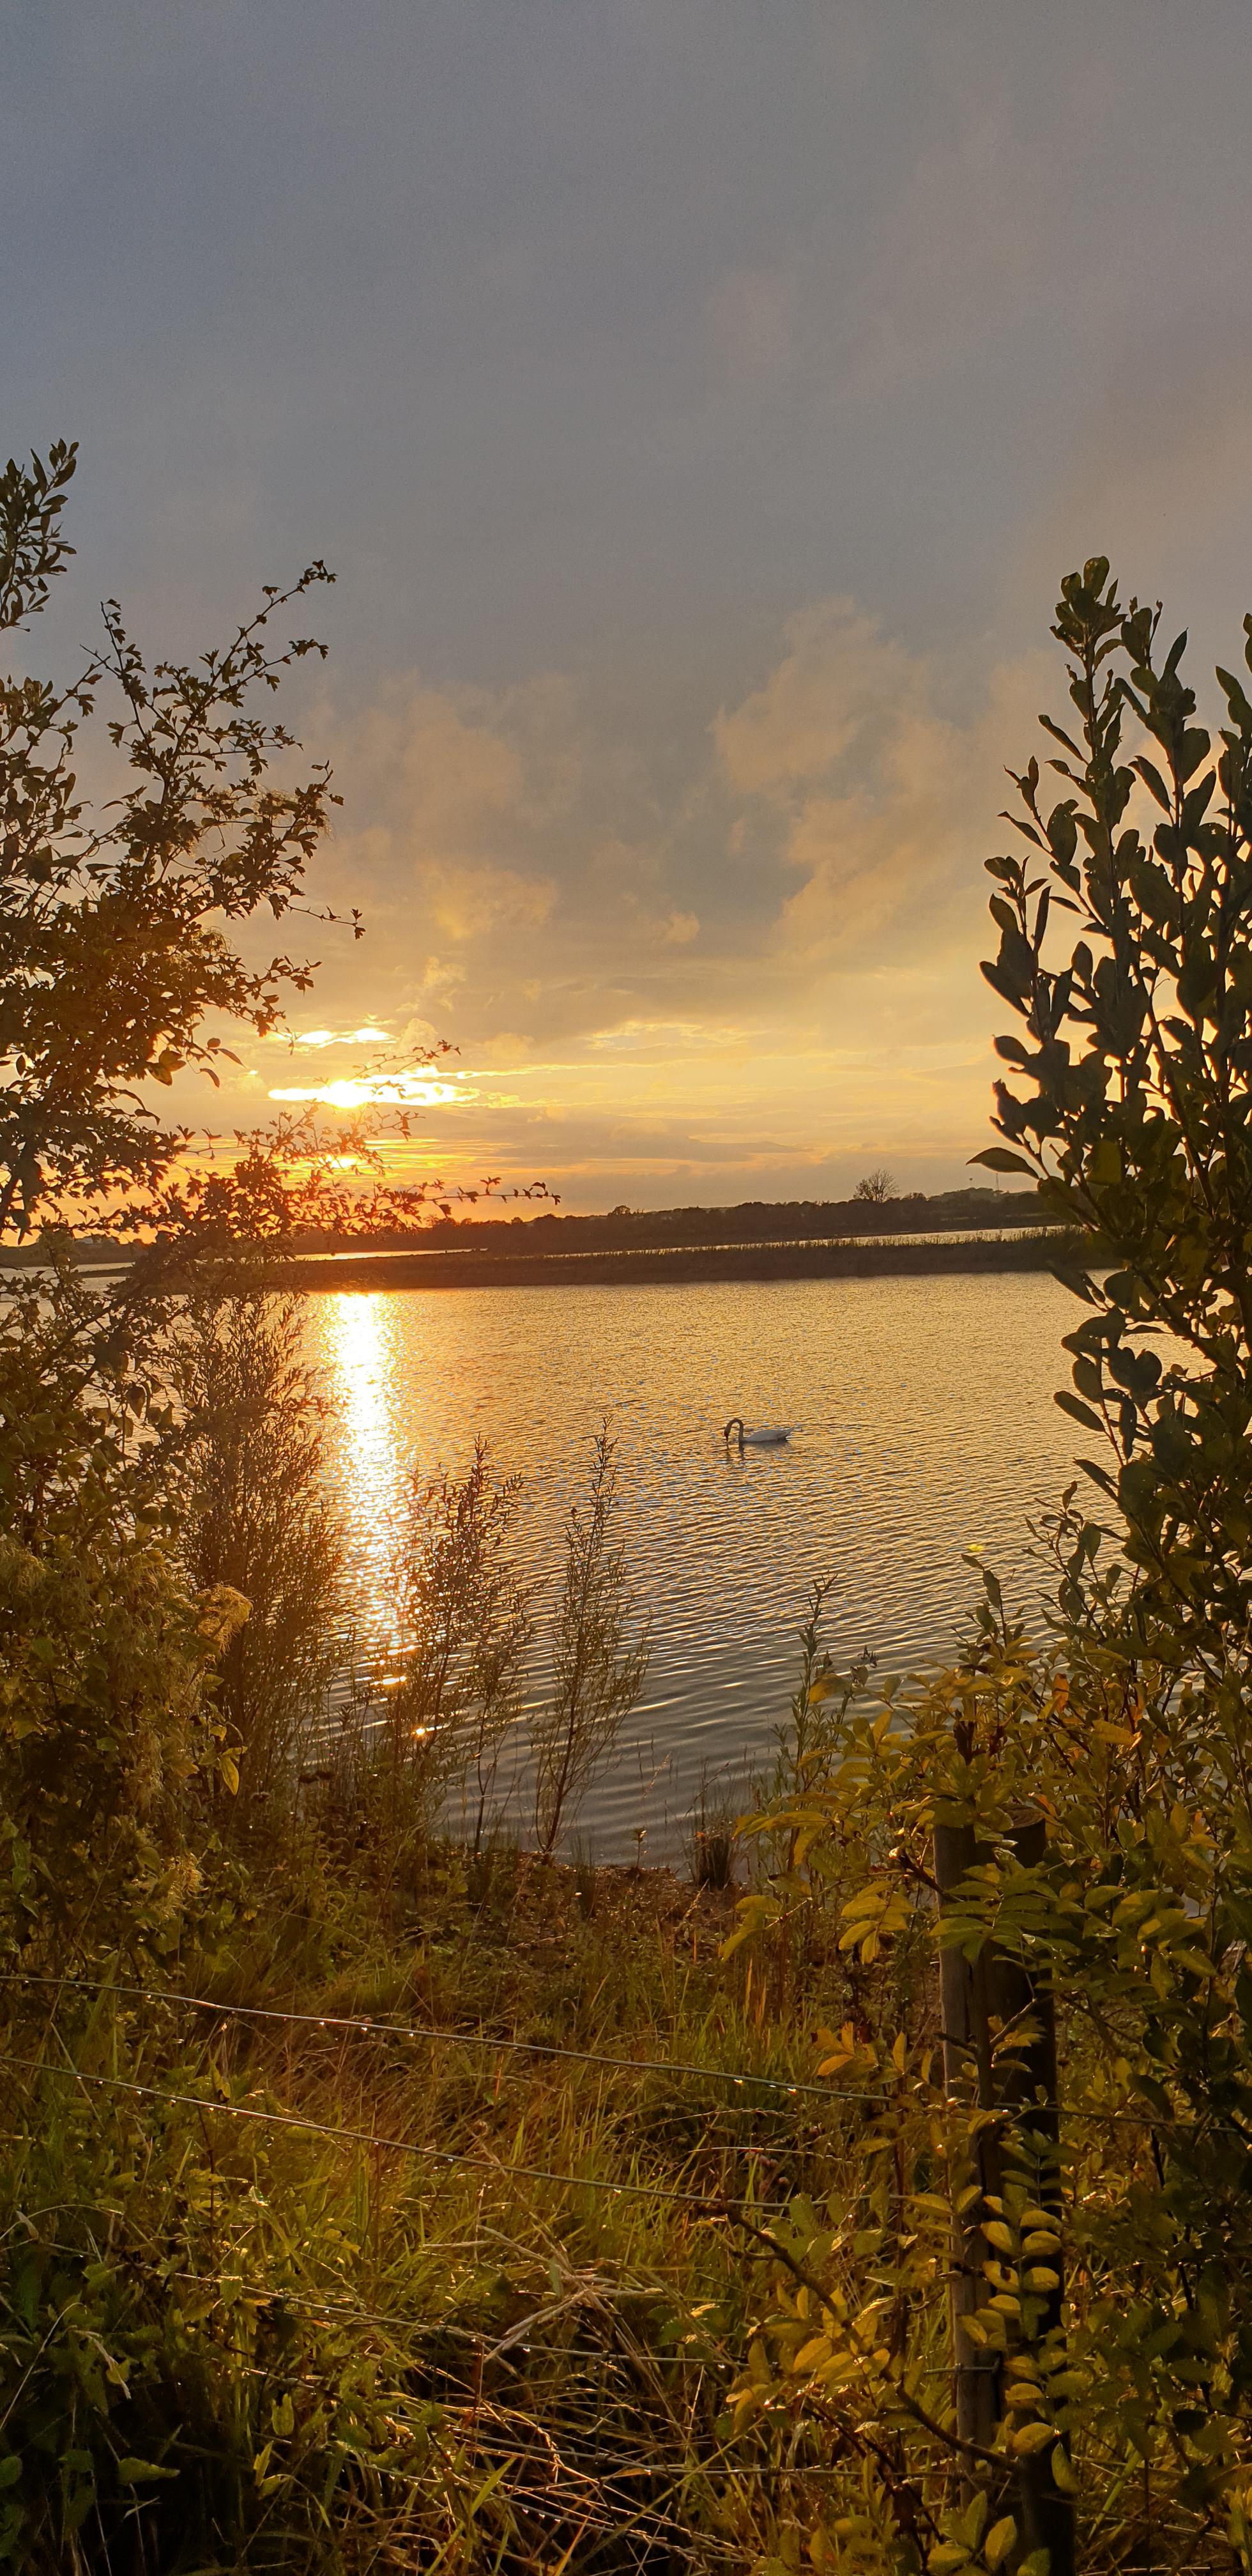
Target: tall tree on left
x,y
121,916
119,919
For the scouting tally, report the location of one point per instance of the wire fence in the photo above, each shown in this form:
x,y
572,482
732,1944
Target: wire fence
x,y
369,2025
623,2487
715,2205
831,2095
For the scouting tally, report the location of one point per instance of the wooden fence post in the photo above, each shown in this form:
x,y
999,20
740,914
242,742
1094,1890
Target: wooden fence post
x,y
978,1998
966,2008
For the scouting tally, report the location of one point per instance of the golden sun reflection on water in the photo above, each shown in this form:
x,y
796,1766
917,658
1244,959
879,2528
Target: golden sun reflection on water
x,y
361,1371
924,1421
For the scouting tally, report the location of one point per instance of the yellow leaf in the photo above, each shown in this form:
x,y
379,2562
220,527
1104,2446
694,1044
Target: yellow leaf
x,y
999,2540
868,1900
1032,2437
866,2318
1062,2472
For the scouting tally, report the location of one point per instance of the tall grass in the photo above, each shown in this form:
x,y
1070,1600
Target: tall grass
x,y
443,1746
468,1618
598,1667
257,1516
487,2326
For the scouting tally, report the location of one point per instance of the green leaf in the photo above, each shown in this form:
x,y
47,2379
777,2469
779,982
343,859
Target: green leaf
x,y
973,2521
1073,1405
997,1158
133,2473
1011,987
1154,782
1105,1167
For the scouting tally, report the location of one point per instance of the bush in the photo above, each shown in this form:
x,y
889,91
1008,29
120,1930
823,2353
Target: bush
x,y
256,1517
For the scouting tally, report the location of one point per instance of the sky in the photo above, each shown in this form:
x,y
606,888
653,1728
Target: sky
x,y
698,402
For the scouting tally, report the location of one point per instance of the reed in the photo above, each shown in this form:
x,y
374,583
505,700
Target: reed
x,y
255,1516
599,1647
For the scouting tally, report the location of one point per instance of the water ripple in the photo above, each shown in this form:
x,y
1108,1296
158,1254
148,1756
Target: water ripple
x,y
925,1425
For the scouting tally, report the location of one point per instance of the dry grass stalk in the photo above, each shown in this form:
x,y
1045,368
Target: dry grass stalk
x,y
598,1672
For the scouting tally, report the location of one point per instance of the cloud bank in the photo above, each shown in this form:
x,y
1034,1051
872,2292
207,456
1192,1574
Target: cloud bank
x,y
739,962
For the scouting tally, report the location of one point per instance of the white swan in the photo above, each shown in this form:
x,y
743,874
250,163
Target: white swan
x,y
755,1439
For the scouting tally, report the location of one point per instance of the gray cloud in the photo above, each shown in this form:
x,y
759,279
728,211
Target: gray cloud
x,y
759,964
698,405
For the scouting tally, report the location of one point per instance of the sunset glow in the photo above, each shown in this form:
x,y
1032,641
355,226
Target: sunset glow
x,y
691,574
370,1091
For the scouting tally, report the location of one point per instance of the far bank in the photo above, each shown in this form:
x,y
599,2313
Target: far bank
x,y
680,1266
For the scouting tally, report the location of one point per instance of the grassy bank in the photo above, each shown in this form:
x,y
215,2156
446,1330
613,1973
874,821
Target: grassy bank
x,y
419,2241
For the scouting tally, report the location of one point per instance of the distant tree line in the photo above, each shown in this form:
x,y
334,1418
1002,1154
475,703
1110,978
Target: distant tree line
x,y
752,1221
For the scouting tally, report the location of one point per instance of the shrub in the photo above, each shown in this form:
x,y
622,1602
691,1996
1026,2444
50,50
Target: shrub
x,y
256,1517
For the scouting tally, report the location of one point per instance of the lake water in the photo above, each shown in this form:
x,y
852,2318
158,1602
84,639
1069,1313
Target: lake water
x,y
925,1425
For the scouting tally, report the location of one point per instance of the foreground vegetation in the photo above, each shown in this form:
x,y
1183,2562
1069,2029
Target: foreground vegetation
x,y
374,2192
328,2296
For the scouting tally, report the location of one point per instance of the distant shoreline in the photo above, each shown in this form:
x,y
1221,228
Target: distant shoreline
x,y
682,1266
